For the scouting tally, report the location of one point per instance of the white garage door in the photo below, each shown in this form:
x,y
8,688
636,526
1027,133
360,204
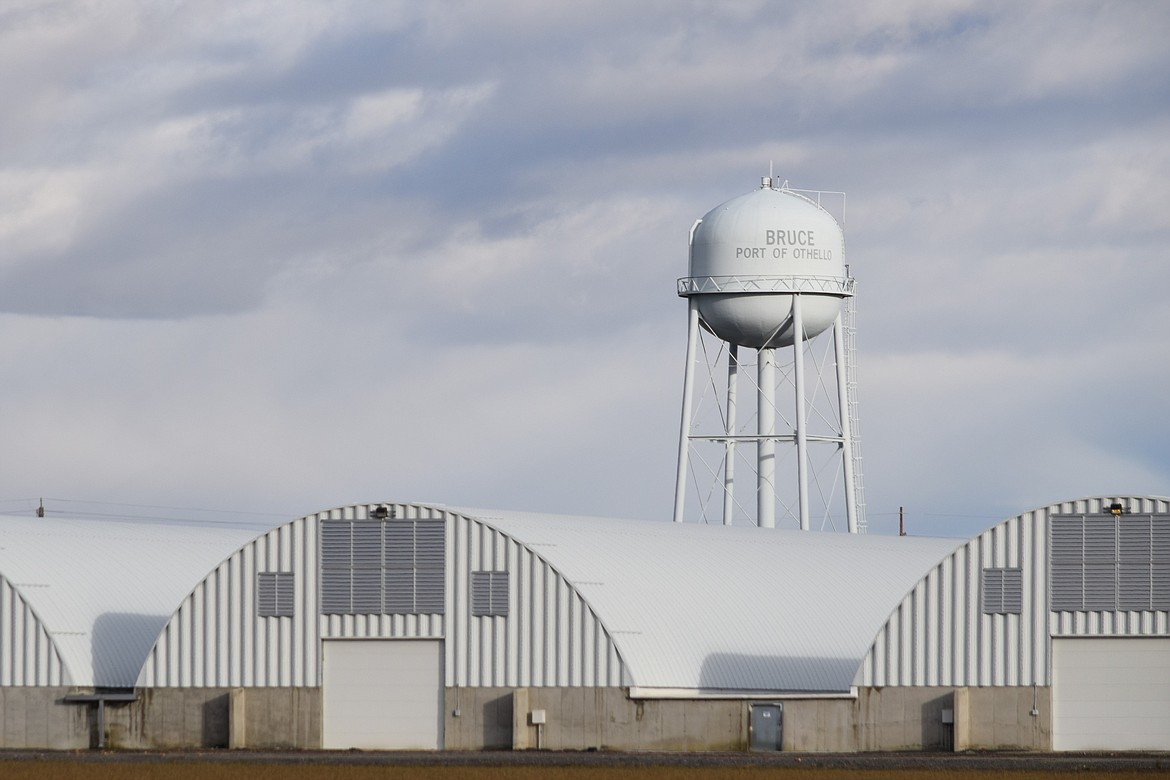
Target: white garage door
x,y
1111,694
380,694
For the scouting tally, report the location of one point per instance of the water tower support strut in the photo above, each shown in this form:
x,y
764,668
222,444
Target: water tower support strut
x,y
801,411
684,438
766,445
729,463
846,426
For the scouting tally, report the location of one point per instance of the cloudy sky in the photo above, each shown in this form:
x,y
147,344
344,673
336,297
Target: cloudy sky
x,y
272,257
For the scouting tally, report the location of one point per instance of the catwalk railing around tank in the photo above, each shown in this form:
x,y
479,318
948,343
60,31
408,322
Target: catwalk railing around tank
x,y
820,285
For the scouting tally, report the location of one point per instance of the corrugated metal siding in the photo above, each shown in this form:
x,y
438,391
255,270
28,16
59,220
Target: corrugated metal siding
x,y
28,655
216,638
549,638
714,608
104,589
938,635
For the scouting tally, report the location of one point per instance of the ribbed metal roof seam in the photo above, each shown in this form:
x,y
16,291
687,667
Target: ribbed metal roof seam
x,y
17,638
732,608
485,519
938,635
109,584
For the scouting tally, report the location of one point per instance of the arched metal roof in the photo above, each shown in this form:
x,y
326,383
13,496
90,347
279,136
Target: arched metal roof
x,y
940,636
102,589
690,609
716,608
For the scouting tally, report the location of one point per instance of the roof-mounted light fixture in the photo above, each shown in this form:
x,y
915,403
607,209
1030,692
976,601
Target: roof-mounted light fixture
x,y
1116,509
381,512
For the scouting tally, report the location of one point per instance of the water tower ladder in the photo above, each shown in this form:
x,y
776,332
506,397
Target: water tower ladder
x,y
850,329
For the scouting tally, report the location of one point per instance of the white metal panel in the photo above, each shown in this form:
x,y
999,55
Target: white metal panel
x,y
601,602
586,597
382,695
939,623
712,608
216,638
101,590
1111,694
230,645
28,655
551,636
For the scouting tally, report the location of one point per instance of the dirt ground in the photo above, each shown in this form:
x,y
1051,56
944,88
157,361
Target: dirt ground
x,y
355,765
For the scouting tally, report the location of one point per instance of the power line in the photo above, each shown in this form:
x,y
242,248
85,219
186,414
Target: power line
x,y
176,514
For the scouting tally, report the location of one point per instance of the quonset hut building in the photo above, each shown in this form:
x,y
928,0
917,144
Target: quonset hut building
x,y
422,626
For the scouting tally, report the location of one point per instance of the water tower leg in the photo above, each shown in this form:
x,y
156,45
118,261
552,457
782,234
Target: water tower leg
x,y
766,445
846,426
801,411
729,455
684,437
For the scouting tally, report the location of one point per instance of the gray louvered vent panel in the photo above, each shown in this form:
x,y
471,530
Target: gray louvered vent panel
x,y
336,544
275,594
1002,591
1067,540
1100,539
1067,591
992,591
335,592
266,595
1013,591
500,593
1133,586
399,545
367,591
1160,586
399,592
430,569
429,595
489,594
1100,586
383,567
481,593
1066,548
367,545
285,594
1133,540
429,536
336,567
1160,537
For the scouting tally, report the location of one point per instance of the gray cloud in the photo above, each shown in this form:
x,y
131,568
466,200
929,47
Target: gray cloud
x,y
295,257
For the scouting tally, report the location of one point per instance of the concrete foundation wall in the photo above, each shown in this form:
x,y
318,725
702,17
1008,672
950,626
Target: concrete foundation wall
x,y
589,719
878,719
269,718
903,719
1002,719
605,718
36,718
164,718
575,719
275,718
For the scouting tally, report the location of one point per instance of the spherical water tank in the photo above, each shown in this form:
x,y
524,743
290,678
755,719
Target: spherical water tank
x,y
752,253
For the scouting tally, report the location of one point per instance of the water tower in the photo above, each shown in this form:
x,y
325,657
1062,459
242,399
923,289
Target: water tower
x,y
767,272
